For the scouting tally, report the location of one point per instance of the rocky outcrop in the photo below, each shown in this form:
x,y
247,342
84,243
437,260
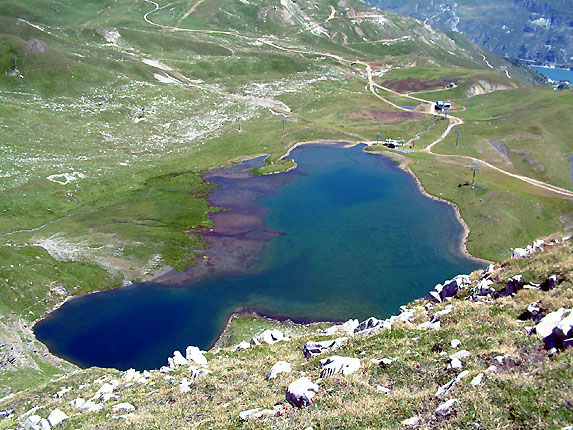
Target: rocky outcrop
x,y
311,349
342,365
278,368
269,337
556,329
448,289
301,392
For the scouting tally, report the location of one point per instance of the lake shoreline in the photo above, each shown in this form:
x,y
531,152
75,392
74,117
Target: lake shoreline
x,y
402,163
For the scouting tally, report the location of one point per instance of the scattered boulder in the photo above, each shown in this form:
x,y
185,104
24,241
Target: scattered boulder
x,y
460,355
382,389
90,406
456,363
178,359
78,403
123,407
268,336
446,409
411,422
348,327
483,288
429,325
556,329
301,392
513,285
530,249
258,412
370,325
62,392
549,284
448,289
184,386
243,345
533,312
105,389
384,361
32,422
56,417
446,389
195,355
455,343
279,367
448,309
336,364
477,380
311,349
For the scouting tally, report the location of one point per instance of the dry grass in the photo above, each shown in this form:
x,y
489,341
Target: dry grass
x,y
528,390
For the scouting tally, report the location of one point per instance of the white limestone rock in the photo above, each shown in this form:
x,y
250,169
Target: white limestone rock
x,y
428,325
336,364
78,403
455,364
411,422
382,389
45,424
123,407
242,346
460,355
32,422
448,309
56,417
386,361
279,367
178,359
258,412
446,389
455,343
105,389
447,408
301,392
477,380
61,393
268,336
195,355
369,326
90,406
311,349
348,328
184,386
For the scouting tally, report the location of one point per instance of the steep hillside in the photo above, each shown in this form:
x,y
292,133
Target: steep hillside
x,y
533,30
110,112
467,359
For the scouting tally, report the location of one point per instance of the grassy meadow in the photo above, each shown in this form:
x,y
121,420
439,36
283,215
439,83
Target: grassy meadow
x,y
116,108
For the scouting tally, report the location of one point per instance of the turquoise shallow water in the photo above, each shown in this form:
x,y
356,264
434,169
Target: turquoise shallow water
x,y
357,239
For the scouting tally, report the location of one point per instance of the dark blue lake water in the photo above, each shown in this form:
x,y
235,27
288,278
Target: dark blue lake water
x,y
357,239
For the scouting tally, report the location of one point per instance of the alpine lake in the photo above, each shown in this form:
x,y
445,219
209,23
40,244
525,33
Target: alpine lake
x,y
347,234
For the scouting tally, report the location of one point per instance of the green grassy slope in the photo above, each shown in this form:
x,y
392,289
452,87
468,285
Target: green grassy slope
x,y
525,388
94,195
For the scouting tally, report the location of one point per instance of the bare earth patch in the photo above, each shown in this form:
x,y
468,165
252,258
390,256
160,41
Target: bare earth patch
x,y
386,117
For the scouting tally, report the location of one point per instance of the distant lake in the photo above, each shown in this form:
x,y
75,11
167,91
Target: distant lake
x,y
345,235
556,74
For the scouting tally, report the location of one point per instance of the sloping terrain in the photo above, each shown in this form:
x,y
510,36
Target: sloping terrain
x,y
468,361
539,31
111,110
